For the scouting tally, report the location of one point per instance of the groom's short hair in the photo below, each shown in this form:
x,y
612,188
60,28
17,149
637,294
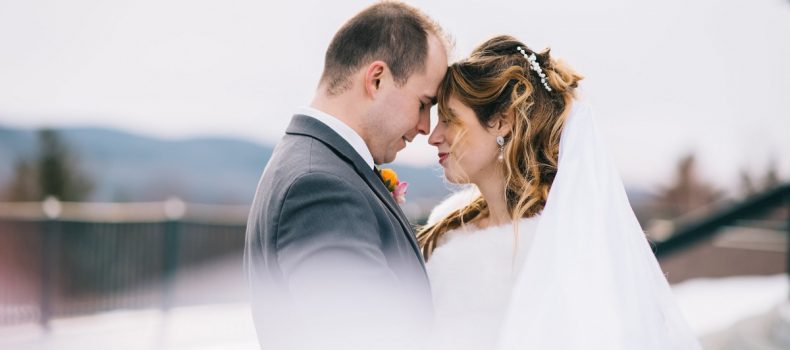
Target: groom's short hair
x,y
389,31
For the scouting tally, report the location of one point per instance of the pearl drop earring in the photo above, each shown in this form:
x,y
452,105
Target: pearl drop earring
x,y
500,140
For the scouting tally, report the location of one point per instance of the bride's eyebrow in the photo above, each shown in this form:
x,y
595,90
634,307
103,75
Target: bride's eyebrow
x,y
451,112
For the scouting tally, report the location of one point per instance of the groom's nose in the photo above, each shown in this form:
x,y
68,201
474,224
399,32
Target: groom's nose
x,y
424,126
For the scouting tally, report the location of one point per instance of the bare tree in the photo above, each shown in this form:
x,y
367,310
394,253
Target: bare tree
x,y
688,193
751,185
59,173
24,184
54,172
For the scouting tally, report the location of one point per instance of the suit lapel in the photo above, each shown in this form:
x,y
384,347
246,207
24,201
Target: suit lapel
x,y
307,126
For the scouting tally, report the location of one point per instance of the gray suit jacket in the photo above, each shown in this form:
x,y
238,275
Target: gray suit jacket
x,y
328,251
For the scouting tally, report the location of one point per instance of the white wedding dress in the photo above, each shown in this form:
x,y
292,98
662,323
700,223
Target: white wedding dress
x,y
581,275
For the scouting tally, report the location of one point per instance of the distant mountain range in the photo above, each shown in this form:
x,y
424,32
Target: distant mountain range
x,y
130,167
126,167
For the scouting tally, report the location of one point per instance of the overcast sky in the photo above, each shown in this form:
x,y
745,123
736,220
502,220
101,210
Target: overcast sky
x,y
665,77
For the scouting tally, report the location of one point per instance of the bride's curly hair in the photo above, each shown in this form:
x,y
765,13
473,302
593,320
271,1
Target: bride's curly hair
x,y
496,81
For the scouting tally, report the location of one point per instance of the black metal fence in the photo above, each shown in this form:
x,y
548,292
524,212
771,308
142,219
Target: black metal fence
x,y
78,264
755,206
68,259
772,206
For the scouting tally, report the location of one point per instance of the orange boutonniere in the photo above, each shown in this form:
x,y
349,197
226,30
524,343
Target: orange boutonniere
x,y
396,187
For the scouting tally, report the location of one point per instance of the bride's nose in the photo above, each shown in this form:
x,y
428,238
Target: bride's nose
x,y
437,136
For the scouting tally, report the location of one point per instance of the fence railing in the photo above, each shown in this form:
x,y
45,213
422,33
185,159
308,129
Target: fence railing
x,y
67,259
776,200
703,228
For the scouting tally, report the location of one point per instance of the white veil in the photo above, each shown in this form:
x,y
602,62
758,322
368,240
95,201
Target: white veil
x,y
590,279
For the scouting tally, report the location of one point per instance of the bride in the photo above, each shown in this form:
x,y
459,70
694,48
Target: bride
x,y
544,251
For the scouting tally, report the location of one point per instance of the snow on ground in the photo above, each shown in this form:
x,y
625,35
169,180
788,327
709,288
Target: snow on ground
x,y
714,304
223,326
710,305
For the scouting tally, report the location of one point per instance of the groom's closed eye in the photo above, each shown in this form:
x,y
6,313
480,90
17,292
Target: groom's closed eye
x,y
432,101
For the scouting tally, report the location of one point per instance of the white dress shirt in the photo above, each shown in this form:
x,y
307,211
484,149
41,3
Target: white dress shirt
x,y
342,129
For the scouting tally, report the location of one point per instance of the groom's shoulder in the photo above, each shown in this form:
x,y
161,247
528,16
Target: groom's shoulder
x,y
302,170
297,155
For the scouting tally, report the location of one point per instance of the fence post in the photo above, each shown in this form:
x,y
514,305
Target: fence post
x,y
787,229
170,262
174,211
52,208
47,263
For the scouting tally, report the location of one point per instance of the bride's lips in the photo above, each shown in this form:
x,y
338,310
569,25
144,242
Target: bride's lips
x,y
443,157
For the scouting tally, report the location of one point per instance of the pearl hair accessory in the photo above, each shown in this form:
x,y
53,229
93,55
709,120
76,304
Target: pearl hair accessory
x,y
533,64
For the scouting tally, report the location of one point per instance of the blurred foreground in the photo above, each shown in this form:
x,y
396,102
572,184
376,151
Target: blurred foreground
x,y
226,325
168,275
718,310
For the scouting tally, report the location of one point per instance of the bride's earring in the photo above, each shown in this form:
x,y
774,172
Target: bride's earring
x,y
500,140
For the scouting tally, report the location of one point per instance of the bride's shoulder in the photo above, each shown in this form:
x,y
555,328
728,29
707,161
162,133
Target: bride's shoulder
x,y
454,201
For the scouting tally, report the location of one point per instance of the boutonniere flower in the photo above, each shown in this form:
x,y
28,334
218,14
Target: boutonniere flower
x,y
397,188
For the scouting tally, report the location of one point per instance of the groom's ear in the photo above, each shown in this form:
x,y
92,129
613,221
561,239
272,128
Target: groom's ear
x,y
373,76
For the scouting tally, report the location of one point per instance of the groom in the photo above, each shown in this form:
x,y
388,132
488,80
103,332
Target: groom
x,y
331,259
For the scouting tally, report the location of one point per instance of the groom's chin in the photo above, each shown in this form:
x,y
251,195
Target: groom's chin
x,y
389,157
